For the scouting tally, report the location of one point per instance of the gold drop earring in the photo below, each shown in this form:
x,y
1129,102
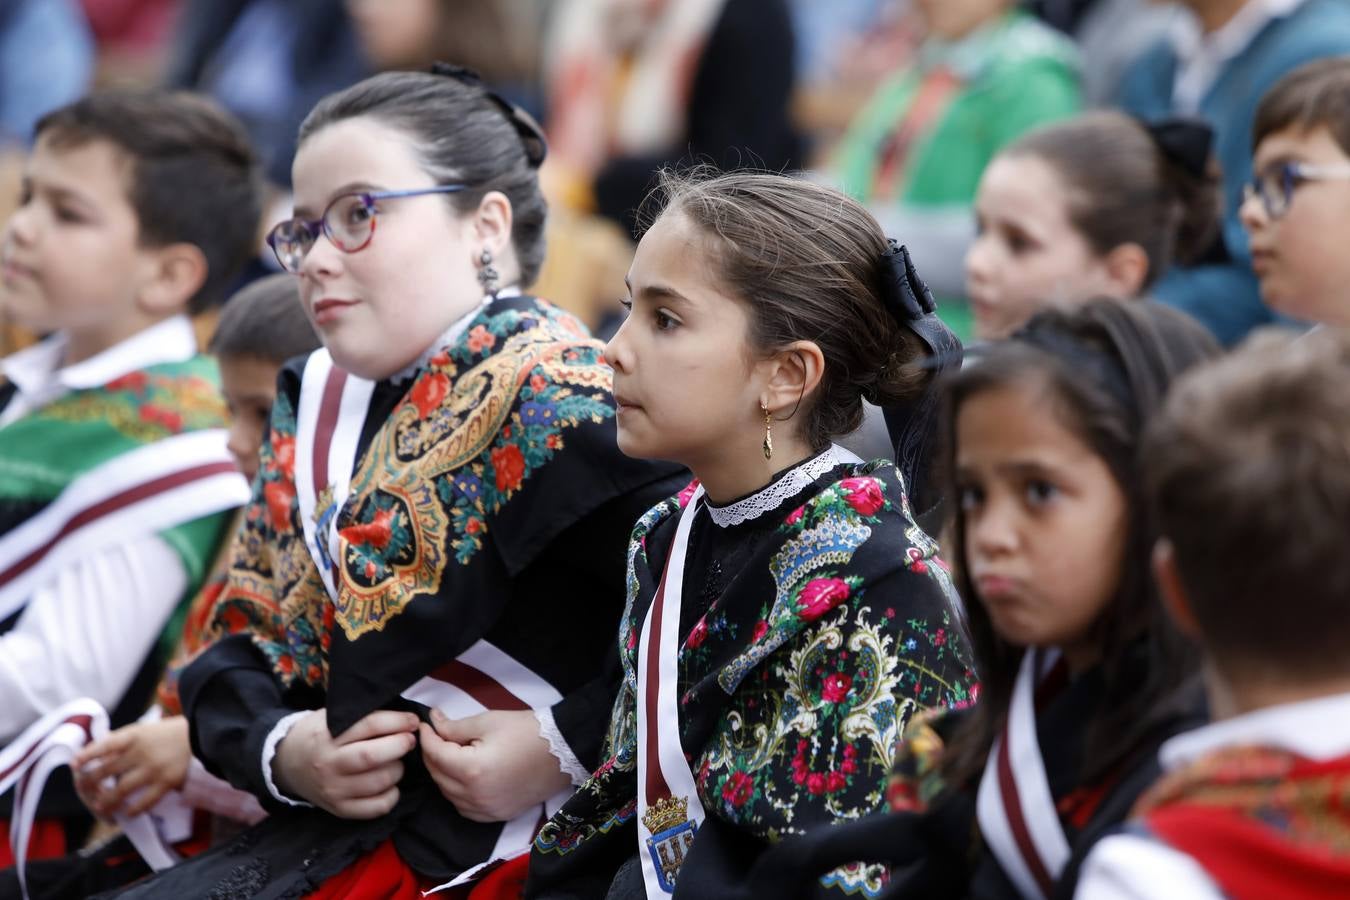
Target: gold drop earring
x,y
768,432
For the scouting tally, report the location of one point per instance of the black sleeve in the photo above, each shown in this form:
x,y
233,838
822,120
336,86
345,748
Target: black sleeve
x,y
232,702
583,715
739,108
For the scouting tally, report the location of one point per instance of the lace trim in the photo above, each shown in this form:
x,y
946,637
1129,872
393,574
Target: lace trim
x,y
558,746
790,484
274,737
447,338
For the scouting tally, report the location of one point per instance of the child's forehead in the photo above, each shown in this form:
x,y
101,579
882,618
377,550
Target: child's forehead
x,y
86,164
1300,142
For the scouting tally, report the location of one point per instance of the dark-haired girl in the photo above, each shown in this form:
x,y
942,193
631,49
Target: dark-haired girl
x,y
786,616
410,669
1081,678
1099,205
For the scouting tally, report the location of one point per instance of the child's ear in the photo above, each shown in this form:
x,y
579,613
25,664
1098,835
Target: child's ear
x,y
1173,592
1126,270
792,374
175,273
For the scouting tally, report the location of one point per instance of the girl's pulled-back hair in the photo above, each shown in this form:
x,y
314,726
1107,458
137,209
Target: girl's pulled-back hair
x,y
1124,189
463,134
808,263
1105,367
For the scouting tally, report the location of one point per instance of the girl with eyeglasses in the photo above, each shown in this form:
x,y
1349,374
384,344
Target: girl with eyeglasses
x,y
411,665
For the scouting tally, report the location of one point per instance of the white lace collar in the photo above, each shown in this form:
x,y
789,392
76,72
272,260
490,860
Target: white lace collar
x,y
449,336
781,489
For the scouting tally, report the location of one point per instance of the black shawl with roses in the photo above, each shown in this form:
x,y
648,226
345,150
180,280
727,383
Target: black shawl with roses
x,y
811,633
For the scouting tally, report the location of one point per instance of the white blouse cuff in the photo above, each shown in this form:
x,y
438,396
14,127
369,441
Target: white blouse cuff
x,y
557,745
274,737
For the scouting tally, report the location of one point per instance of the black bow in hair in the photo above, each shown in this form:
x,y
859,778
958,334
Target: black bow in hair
x,y
1186,142
531,135
913,425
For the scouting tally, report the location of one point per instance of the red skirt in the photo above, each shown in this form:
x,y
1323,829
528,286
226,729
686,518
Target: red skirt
x,y
47,841
383,875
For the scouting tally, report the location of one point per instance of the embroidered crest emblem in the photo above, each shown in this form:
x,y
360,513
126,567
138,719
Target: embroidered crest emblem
x,y
672,836
324,510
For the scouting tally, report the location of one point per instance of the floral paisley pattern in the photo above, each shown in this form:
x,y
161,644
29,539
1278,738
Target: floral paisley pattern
x,y
797,680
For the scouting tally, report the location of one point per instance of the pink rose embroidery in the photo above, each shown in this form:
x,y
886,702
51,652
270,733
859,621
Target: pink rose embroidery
x,y
863,494
836,687
820,596
796,515
697,636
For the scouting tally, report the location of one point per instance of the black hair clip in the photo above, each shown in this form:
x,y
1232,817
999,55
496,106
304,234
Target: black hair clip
x,y
902,290
912,425
531,135
1186,142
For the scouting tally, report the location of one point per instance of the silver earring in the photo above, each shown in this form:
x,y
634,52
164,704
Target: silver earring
x,y
487,273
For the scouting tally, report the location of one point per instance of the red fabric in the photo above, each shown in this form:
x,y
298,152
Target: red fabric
x,y
379,875
48,841
1261,822
383,875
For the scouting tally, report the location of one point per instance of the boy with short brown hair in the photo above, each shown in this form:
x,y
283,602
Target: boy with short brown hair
x,y
1249,474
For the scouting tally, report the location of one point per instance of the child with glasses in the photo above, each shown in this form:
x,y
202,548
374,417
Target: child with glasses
x,y
420,607
1297,206
116,488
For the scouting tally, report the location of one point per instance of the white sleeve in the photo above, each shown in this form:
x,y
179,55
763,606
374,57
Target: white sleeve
x,y
274,738
568,763
1133,867
86,632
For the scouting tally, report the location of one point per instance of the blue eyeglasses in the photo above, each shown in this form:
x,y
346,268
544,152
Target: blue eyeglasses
x,y
1275,184
348,222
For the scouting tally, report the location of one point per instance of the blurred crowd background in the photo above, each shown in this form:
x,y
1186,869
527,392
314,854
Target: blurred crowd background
x,y
900,102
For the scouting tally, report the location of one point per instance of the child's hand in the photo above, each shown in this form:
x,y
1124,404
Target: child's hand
x,y
492,766
354,776
130,770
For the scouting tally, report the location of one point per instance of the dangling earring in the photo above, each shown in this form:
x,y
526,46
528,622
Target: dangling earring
x,y
487,274
768,432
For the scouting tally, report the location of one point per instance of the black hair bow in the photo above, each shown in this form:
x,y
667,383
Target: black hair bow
x,y
913,425
1186,142
531,135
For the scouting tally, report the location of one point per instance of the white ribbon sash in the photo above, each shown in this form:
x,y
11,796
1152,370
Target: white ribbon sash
x,y
139,492
1015,808
329,418
52,742
669,809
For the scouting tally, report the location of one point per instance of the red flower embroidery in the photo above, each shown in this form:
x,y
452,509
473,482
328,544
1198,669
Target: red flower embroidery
x,y
283,450
820,596
429,392
940,638
815,783
473,526
796,515
687,493
440,360
835,781
480,339
738,789
916,560
863,494
553,442
509,464
836,687
538,383
761,629
158,415
132,381
278,495
698,635
375,533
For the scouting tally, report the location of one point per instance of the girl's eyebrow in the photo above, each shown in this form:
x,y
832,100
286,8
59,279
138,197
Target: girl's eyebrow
x,y
58,192
657,293
301,211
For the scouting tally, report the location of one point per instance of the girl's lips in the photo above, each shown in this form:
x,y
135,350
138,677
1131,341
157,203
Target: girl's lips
x,y
329,309
994,588
12,271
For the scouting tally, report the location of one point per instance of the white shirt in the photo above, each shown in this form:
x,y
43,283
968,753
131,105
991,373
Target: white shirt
x,y
1201,57
1135,867
86,632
